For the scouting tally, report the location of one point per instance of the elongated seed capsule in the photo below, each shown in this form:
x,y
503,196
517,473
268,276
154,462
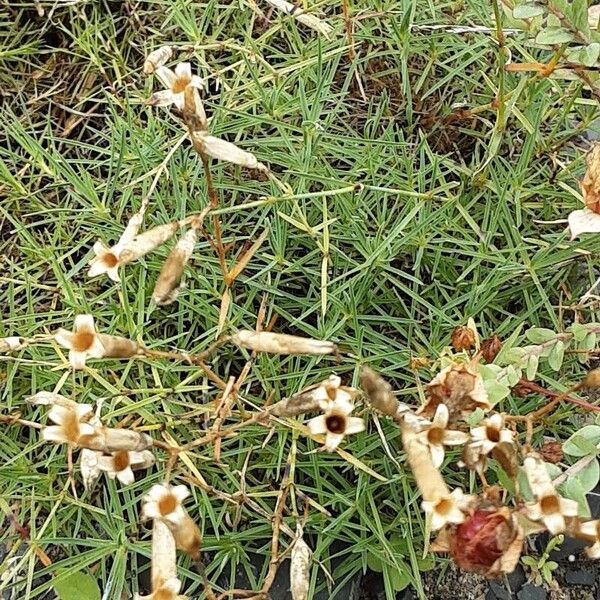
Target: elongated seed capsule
x,y
223,150
300,567
281,343
116,346
108,440
11,344
147,241
50,399
157,58
311,21
167,284
164,555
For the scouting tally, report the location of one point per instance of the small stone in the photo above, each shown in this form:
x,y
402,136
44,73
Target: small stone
x,y
531,592
579,577
516,579
500,592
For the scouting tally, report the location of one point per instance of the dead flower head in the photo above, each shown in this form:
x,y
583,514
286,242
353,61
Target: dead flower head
x,y
436,436
447,509
491,433
463,338
460,388
69,428
11,344
549,507
336,422
122,464
176,82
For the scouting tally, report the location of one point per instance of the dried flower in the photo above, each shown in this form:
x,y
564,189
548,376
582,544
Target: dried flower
x,y
280,343
108,260
491,433
222,150
164,502
69,427
85,341
300,567
552,452
549,507
157,58
490,348
11,344
167,284
587,220
436,436
447,509
336,423
460,388
463,338
176,83
311,21
592,530
122,464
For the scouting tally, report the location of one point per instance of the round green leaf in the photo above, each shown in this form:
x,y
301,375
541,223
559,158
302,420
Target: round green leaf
x,y
557,355
76,586
588,476
554,35
400,579
529,10
583,442
539,335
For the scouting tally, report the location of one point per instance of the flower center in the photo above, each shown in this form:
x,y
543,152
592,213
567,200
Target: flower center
x,y
121,461
110,260
167,504
180,84
492,434
443,507
71,427
550,505
162,594
336,424
83,341
435,435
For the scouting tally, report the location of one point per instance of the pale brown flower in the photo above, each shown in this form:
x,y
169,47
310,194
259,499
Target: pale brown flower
x,y
69,427
122,464
336,422
491,433
592,529
447,509
176,82
436,436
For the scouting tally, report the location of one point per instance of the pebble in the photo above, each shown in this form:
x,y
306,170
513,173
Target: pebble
x,y
500,592
532,592
579,577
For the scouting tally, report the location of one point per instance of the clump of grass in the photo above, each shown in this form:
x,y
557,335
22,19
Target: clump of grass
x,y
391,218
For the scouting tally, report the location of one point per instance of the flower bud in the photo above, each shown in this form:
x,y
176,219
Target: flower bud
x,y
157,58
11,344
147,241
118,347
463,338
108,440
592,380
187,536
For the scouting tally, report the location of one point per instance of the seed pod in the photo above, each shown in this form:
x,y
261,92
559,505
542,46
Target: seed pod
x,y
378,391
118,347
11,344
147,241
592,380
280,343
157,58
109,440
463,338
300,567
187,536
223,150
311,21
167,284
590,186
490,348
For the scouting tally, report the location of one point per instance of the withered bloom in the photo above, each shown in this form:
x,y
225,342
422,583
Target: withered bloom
x,y
167,284
122,464
437,435
491,433
490,348
70,426
449,508
463,338
176,82
11,344
281,343
86,342
460,388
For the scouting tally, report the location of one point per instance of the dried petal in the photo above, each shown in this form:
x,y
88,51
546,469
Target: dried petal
x,y
379,393
583,221
118,347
